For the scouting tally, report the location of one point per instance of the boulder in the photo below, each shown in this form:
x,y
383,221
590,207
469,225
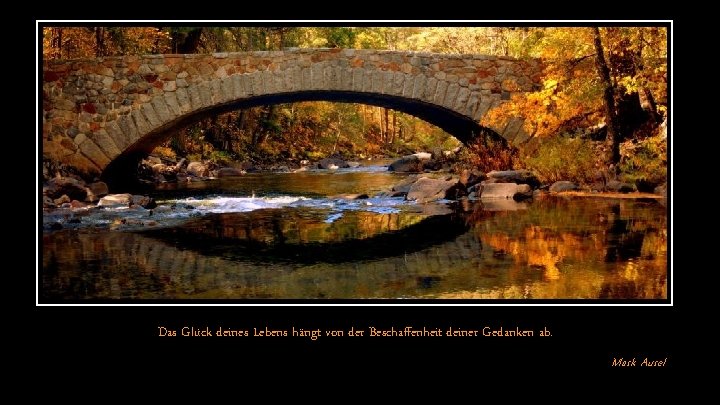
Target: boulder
x,y
159,168
181,164
115,200
197,169
96,190
144,201
48,202
350,197
62,199
407,164
432,164
469,178
153,160
620,187
229,172
505,190
514,176
99,188
426,189
327,162
404,186
560,186
353,164
59,186
597,186
524,192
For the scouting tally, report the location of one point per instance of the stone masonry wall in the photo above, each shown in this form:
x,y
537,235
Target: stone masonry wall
x,y
95,109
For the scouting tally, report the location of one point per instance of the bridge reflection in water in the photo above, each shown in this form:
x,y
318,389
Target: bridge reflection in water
x,y
551,248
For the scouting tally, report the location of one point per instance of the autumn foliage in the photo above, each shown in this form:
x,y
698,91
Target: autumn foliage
x,y
566,116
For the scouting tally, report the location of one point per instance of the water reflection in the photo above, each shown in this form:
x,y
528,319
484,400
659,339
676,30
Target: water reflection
x,y
581,248
552,248
310,184
295,236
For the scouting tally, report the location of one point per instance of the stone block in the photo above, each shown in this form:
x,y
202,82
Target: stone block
x,y
217,95
440,92
172,103
194,96
461,99
129,129
161,109
103,140
419,86
183,100
430,88
205,94
357,79
141,122
94,153
151,115
451,95
377,81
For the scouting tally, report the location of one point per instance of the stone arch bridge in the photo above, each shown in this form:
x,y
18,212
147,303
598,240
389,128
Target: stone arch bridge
x,y
114,109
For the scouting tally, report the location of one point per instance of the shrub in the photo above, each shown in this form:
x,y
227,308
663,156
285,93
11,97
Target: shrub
x,y
561,158
164,153
644,162
221,157
487,156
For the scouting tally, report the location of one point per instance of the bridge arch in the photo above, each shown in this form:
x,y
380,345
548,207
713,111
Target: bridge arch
x,y
106,110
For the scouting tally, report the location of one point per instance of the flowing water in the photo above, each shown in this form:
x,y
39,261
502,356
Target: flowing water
x,y
292,236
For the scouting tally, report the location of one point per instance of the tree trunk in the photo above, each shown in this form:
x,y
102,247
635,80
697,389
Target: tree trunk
x,y
394,126
227,134
100,41
337,136
612,139
60,42
363,109
386,134
647,103
187,43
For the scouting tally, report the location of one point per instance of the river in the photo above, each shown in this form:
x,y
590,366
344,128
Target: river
x,y
289,236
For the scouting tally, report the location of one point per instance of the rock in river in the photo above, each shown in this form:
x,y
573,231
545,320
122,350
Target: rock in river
x,y
505,190
144,201
229,172
327,162
197,169
514,176
115,200
407,164
73,188
96,190
560,186
619,187
427,189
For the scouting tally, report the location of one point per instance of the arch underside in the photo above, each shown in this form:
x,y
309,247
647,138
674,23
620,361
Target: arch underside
x,y
460,126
